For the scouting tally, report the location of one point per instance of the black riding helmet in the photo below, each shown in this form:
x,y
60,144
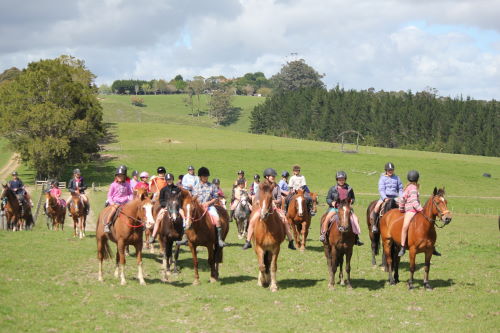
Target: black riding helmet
x,y
269,172
169,176
121,170
256,176
241,172
161,170
389,166
203,172
285,174
216,181
340,174
240,181
135,173
14,173
413,176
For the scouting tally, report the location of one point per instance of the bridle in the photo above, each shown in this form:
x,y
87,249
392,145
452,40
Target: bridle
x,y
440,215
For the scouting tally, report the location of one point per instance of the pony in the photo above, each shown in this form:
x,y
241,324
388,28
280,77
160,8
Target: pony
x,y
17,217
126,230
375,236
340,243
76,208
242,214
421,236
269,233
200,231
55,211
299,217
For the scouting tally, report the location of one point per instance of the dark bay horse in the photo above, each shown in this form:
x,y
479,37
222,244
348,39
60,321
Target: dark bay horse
x,y
340,243
56,212
17,217
126,230
77,210
421,236
375,236
269,233
200,231
242,214
299,217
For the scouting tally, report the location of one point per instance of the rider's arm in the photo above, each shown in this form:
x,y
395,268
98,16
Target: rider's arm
x,y
111,193
400,187
330,197
381,187
353,197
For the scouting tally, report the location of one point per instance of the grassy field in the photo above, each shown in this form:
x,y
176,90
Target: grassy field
x,y
49,280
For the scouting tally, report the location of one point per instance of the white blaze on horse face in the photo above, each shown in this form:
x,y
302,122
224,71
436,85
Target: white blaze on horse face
x,y
188,215
263,210
299,204
150,221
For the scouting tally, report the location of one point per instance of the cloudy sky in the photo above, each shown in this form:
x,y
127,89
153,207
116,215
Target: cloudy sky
x,y
450,45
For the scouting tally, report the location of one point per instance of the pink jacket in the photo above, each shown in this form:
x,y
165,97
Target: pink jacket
x,y
55,192
119,193
410,200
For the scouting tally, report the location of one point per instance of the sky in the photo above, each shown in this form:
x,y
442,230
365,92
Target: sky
x,y
450,45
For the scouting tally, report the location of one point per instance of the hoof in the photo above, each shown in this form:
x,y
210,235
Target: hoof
x,y
410,286
213,280
349,286
123,282
142,283
100,279
302,249
428,286
392,283
196,282
331,286
273,288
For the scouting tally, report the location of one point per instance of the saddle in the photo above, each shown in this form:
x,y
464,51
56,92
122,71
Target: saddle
x,y
383,209
115,216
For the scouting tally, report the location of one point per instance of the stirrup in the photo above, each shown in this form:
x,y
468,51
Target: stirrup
x,y
291,246
151,240
106,228
402,251
247,245
436,253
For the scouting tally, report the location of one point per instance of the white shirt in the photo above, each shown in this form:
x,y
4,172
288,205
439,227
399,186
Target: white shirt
x,y
189,181
297,182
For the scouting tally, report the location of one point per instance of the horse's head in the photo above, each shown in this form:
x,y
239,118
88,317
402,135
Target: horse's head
x,y
189,204
174,204
265,200
244,198
440,205
5,190
300,202
344,214
145,208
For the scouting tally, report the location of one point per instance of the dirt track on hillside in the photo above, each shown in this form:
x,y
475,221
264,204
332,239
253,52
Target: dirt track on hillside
x,y
8,168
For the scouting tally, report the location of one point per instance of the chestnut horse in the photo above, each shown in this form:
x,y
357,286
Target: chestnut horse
x,y
14,216
77,210
340,243
126,230
269,233
200,231
375,236
55,211
299,217
421,236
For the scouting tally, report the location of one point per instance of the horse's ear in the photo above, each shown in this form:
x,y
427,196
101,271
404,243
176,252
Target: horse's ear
x,y
435,191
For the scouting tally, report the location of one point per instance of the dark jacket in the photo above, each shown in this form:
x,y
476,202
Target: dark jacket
x,y
17,186
72,187
167,192
332,198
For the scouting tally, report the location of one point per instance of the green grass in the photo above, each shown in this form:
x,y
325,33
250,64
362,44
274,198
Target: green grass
x,y
49,280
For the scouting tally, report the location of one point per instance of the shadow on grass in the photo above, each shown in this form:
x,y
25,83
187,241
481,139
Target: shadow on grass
x,y
298,283
315,248
368,284
236,279
179,284
406,266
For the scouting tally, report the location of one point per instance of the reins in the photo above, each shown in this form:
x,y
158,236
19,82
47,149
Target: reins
x,y
133,218
440,213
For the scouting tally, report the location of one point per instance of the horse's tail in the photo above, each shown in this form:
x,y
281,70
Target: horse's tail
x,y
394,254
106,250
267,261
376,242
218,253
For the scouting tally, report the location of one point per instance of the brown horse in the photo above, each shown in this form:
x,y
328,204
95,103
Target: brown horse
x,y
375,236
200,231
126,230
55,211
421,236
17,217
269,233
77,210
340,243
299,217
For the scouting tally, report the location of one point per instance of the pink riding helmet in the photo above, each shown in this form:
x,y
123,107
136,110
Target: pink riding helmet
x,y
144,174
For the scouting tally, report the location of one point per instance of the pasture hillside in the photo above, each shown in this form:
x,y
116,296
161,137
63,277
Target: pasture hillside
x,y
50,279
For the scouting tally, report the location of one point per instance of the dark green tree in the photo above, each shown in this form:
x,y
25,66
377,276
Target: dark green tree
x,y
297,75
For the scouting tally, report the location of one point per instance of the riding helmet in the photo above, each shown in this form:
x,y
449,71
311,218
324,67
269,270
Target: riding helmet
x,y
256,176
296,167
161,170
241,172
76,172
144,174
340,174
121,170
169,176
14,173
55,183
135,173
269,172
190,167
240,181
413,176
203,172
389,166
216,181
285,174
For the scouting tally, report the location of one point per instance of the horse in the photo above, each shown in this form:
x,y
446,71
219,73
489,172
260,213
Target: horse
x,y
17,217
126,230
76,208
299,217
421,236
340,243
242,214
56,212
269,233
200,231
375,236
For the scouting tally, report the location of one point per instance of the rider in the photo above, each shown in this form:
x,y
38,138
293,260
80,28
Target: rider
x,y
134,179
206,194
77,185
190,180
158,181
55,192
119,194
166,193
270,176
283,184
241,175
237,194
389,187
144,176
220,193
299,181
254,188
337,193
179,181
17,186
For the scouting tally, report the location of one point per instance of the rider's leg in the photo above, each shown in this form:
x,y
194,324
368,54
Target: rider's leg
x,y
107,224
309,203
355,228
376,209
161,213
85,201
324,225
291,246
215,218
253,219
404,231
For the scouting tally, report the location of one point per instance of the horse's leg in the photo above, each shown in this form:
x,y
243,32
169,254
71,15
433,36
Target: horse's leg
x,y
341,268
80,226
304,236
396,260
195,264
140,270
75,224
428,256
117,263
388,260
100,256
262,268
335,257
121,251
84,224
412,255
374,247
348,257
329,262
274,268
211,263
167,260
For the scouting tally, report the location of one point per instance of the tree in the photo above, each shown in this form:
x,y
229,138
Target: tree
x,y
9,75
50,115
196,88
297,75
220,106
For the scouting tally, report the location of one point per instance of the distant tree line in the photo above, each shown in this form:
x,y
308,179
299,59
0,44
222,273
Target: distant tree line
x,y
407,120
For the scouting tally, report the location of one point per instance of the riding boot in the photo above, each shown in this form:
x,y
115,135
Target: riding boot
x,y
357,241
86,208
402,251
151,239
247,245
106,227
436,253
374,223
219,237
322,237
231,216
291,246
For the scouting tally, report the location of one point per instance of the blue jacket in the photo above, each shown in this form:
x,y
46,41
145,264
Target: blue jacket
x,y
390,187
